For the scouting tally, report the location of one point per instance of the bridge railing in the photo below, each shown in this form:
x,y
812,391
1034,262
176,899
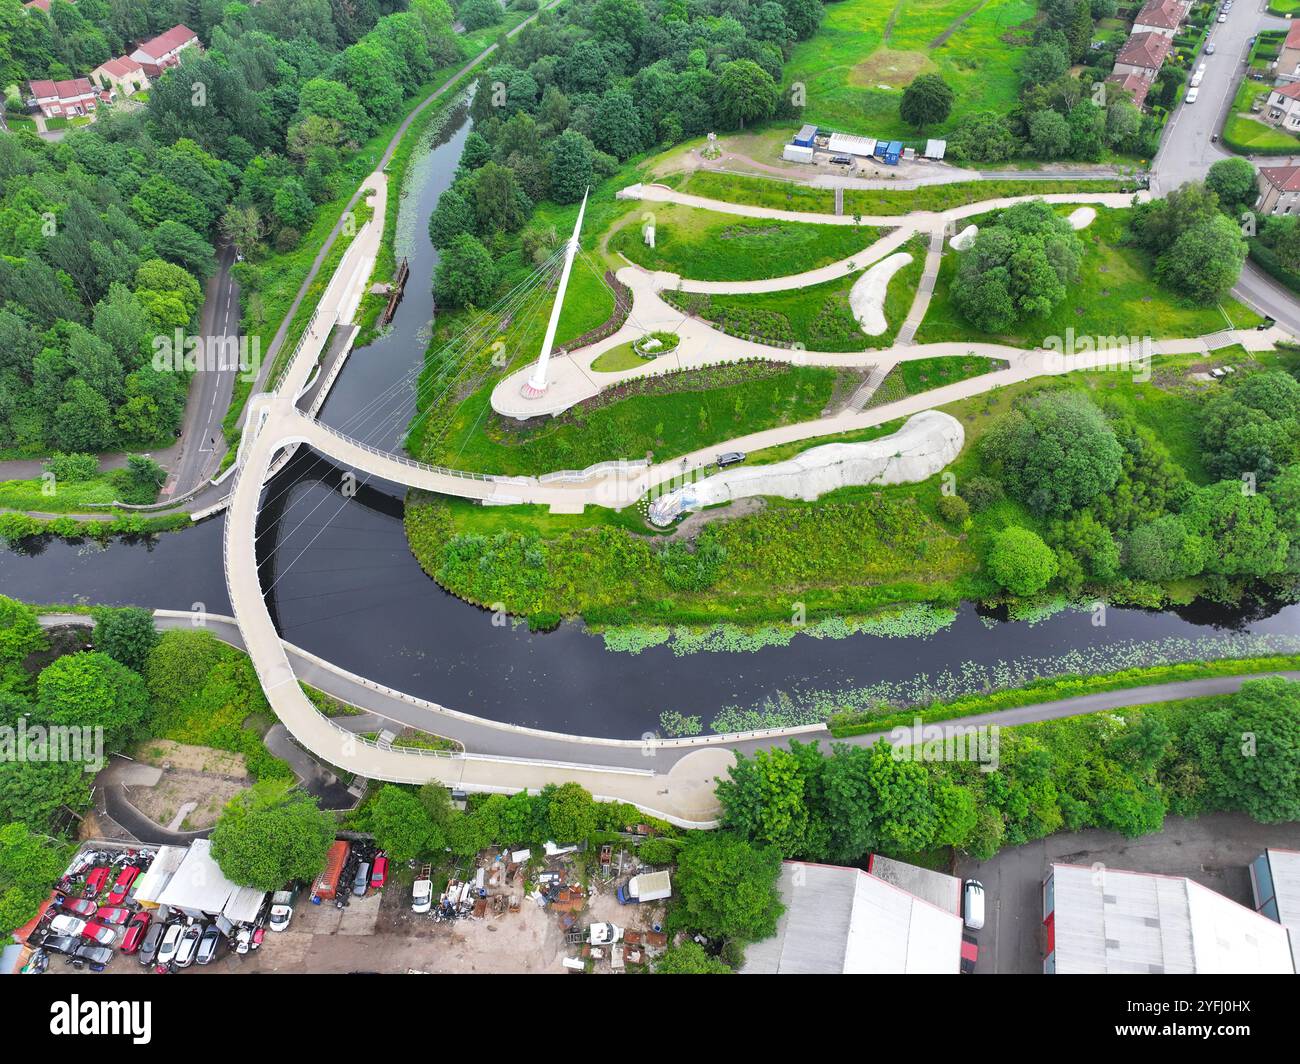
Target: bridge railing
x,y
577,476
403,460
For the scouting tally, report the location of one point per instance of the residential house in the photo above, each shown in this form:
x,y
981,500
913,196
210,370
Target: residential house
x,y
1161,16
1143,54
1279,190
1288,59
122,75
1135,86
164,51
64,99
1284,107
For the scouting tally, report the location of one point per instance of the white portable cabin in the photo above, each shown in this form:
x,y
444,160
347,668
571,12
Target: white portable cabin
x,y
797,153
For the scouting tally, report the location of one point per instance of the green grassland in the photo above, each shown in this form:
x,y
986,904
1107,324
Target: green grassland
x,y
925,374
1116,295
710,246
790,196
863,45
818,317
668,415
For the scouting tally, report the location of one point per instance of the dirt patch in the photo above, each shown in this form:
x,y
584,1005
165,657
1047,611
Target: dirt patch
x,y
196,797
691,526
166,754
886,66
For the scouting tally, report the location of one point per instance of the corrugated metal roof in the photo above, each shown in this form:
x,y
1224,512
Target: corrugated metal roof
x,y
844,921
1117,922
199,885
937,888
848,144
159,874
1284,866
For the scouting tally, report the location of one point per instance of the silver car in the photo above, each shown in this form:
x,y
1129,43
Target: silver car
x,y
188,946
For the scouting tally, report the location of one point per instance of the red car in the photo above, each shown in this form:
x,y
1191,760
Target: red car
x,y
113,916
95,880
135,932
122,886
77,906
99,933
380,872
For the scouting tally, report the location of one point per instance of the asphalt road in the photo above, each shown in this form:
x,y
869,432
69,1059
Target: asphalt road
x,y
1187,151
201,441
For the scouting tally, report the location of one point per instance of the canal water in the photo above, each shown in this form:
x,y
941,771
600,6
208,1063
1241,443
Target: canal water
x,y
342,583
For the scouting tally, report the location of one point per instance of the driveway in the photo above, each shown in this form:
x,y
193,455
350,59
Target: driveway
x,y
1213,850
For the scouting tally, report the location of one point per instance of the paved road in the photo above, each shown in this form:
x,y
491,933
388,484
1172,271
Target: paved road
x,y
202,443
1187,151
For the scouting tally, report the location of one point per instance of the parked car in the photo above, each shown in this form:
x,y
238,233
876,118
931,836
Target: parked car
x,y
122,885
101,933
95,880
362,881
188,945
841,160
972,905
282,908
151,941
113,915
208,943
77,906
136,932
379,874
97,957
171,941
67,925
422,893
1222,18
1209,48
61,943
1192,94
730,458
970,953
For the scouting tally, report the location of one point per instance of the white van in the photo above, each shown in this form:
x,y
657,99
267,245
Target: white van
x,y
972,904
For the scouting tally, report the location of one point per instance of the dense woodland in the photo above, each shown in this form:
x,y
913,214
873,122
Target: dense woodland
x,y
109,234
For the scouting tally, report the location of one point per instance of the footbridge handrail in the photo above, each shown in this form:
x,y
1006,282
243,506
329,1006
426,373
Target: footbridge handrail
x,y
402,459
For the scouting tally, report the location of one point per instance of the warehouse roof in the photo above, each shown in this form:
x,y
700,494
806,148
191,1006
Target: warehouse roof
x,y
1284,892
1117,922
937,888
844,921
159,874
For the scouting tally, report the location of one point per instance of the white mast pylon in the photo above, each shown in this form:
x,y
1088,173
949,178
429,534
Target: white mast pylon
x,y
536,385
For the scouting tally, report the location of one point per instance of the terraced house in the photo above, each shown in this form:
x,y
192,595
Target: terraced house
x,y
1138,63
1161,17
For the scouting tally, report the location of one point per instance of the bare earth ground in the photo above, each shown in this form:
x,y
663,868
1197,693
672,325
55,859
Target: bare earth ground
x,y
196,781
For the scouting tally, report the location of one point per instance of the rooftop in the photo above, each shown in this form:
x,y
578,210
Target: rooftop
x,y
1117,922
1284,178
845,921
1147,50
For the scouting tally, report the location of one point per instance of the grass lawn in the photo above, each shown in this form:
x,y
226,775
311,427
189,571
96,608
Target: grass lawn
x,y
787,195
618,358
819,316
68,496
866,51
710,246
1115,296
667,415
1243,133
925,374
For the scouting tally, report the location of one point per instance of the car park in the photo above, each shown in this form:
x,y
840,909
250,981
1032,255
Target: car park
x,y
972,904
122,885
362,881
188,945
113,915
379,874
209,941
171,941
136,932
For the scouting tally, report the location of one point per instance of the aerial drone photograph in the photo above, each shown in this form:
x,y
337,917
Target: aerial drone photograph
x,y
668,487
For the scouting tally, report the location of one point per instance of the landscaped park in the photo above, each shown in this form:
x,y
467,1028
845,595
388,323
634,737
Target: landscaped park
x,y
1083,338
